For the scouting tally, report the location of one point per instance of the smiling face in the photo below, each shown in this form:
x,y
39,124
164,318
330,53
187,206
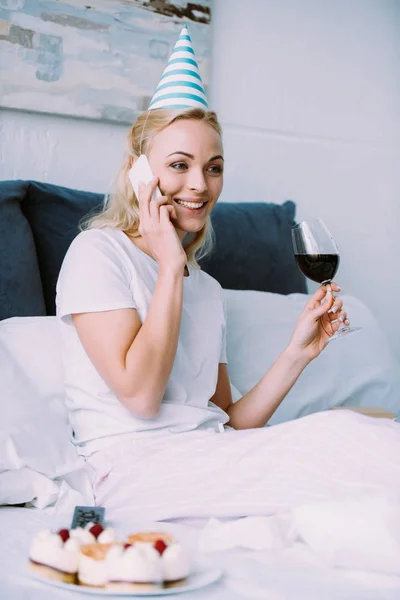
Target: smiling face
x,y
187,157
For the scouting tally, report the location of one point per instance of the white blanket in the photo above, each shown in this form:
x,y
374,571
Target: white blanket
x,y
288,574
324,456
362,533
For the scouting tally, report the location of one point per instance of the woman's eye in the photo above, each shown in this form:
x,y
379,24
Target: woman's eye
x,y
215,169
178,166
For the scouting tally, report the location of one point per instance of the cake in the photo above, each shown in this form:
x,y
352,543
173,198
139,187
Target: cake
x,y
175,565
148,561
92,569
174,560
56,555
134,567
92,556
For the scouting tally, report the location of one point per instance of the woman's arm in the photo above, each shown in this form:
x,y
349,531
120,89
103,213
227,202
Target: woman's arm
x,y
315,325
136,360
259,404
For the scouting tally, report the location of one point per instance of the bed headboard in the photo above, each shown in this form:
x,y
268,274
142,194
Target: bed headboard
x,y
38,221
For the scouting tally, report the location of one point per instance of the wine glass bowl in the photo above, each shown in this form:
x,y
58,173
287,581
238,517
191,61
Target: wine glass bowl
x,y
320,268
315,250
317,256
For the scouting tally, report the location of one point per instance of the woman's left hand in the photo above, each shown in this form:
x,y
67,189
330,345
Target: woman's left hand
x,y
318,322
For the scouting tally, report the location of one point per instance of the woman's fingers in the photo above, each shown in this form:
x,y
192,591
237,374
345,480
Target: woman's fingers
x,y
145,196
323,301
337,323
320,294
324,307
315,301
340,317
337,305
324,293
323,289
335,287
155,206
166,212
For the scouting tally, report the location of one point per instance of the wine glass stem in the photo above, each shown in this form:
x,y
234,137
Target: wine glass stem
x,y
329,288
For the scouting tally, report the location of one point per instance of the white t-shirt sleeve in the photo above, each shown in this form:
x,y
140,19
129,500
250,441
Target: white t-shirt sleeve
x,y
223,357
93,277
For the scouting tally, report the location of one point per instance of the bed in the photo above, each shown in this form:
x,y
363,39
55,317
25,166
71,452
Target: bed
x,y
287,574
42,478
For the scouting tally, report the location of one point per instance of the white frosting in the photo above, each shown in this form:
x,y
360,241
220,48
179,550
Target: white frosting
x,y
82,535
140,563
108,536
115,553
91,571
175,563
72,545
48,549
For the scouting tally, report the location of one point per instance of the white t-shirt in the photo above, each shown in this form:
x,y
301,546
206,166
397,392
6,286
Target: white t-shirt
x,y
104,270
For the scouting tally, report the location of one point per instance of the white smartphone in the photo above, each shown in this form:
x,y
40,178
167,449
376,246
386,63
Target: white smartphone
x,y
141,171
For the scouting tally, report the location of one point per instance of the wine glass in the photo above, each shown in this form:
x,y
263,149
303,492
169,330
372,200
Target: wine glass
x,y
317,257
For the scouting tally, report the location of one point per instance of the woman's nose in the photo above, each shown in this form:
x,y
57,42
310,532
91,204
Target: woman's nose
x,y
197,182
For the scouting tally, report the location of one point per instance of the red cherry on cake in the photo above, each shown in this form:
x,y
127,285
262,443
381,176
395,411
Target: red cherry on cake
x,y
64,534
160,546
96,530
127,545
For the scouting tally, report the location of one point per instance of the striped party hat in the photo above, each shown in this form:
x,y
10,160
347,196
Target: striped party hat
x,y
180,85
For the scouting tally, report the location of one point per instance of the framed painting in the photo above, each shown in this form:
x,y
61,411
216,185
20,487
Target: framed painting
x,y
94,59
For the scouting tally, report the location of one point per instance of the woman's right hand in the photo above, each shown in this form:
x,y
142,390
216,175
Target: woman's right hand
x,y
157,230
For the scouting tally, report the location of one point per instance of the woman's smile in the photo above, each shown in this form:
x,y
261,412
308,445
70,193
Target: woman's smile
x,y
193,206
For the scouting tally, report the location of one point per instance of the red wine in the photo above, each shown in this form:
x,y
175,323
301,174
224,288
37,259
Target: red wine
x,y
318,267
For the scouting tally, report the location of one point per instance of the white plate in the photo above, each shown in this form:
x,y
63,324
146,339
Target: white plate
x,y
196,581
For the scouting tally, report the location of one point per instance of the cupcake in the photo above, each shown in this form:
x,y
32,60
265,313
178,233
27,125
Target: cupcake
x,y
92,567
134,567
55,555
175,563
174,560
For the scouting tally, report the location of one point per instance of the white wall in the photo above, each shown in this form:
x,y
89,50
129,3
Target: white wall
x,y
309,97
71,152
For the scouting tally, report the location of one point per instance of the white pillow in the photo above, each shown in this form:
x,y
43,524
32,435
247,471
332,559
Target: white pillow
x,y
34,345
357,370
360,532
38,462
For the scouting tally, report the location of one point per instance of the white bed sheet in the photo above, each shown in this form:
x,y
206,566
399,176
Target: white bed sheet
x,y
326,456
290,574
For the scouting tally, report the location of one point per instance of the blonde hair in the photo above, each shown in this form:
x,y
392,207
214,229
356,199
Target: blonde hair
x,y
121,209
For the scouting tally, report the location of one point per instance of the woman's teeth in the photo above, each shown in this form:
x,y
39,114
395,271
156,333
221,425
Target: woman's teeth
x,y
190,204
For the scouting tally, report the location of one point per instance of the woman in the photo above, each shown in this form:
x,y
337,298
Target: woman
x,y
144,348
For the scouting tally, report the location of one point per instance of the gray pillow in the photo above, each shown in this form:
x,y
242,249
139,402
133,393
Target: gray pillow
x,y
20,285
253,248
54,213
